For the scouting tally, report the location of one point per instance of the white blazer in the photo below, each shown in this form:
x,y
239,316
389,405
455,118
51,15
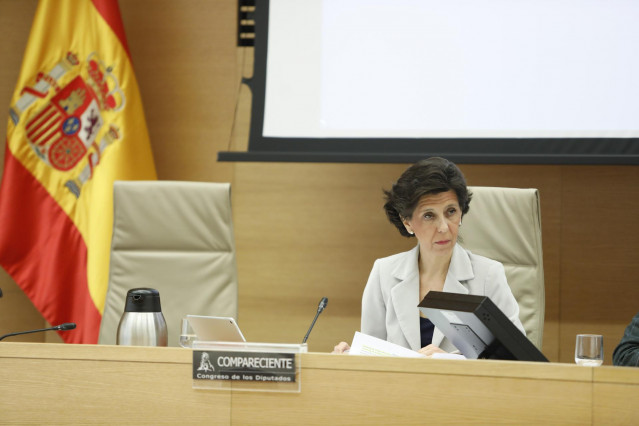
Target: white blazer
x,y
391,296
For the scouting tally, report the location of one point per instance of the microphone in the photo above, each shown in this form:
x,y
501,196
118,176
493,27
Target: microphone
x,y
61,327
320,308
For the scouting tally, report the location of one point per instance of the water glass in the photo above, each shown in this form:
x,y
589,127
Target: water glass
x,y
187,335
589,350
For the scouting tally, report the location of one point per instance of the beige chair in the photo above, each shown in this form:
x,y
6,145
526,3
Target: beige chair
x,y
504,224
176,237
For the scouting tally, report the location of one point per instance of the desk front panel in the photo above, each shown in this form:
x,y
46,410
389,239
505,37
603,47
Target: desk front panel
x,y
80,384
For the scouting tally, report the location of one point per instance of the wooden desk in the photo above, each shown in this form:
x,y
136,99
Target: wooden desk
x,y
57,383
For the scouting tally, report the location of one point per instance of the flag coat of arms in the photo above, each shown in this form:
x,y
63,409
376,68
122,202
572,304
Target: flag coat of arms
x,y
76,125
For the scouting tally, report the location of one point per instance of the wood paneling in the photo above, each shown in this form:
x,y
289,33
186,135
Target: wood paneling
x,y
73,384
375,397
185,62
599,267
104,385
614,395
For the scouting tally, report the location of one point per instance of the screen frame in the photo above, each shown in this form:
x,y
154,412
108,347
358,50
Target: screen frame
x,y
569,151
508,343
211,328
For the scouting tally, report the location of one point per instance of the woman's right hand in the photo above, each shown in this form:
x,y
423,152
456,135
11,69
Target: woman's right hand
x,y
341,348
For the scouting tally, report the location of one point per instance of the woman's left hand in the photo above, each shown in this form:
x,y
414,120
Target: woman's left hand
x,y
430,350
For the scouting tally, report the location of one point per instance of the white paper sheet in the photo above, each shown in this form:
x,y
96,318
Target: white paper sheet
x,y
448,356
363,344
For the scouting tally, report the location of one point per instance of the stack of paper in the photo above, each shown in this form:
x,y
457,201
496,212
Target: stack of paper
x,y
363,344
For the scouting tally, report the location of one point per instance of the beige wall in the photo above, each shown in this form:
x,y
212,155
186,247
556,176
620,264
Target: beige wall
x,y
304,231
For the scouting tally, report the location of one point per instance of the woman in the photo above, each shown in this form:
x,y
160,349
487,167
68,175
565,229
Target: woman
x,y
428,202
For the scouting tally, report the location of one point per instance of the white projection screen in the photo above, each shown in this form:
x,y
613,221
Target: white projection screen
x,y
476,81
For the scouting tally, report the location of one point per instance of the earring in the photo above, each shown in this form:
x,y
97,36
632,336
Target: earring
x,y
411,232
460,223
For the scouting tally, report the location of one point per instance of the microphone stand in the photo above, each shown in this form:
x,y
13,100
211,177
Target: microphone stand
x,y
320,309
62,327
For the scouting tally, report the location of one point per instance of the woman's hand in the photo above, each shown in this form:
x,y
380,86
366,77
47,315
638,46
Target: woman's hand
x,y
430,350
341,348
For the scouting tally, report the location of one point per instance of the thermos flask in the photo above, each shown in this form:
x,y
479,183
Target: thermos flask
x,y
142,323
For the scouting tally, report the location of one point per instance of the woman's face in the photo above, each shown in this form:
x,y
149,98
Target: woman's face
x,y
435,222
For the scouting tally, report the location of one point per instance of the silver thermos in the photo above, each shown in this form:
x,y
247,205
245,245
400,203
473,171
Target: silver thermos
x,y
142,323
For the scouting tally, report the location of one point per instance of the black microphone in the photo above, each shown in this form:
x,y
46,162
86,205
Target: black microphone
x,y
61,327
320,308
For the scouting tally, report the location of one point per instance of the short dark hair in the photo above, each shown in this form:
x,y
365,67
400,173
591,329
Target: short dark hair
x,y
430,176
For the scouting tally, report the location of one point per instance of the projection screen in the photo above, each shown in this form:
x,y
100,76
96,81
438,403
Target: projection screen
x,y
476,81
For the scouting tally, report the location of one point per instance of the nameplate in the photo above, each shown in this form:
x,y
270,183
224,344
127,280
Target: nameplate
x,y
248,366
244,366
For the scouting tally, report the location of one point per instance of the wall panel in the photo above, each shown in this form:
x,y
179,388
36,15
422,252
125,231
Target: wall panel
x,y
599,267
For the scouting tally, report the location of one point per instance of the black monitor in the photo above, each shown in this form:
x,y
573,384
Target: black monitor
x,y
477,327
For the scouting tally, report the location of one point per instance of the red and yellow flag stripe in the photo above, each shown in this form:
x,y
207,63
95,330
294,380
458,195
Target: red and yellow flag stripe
x,y
76,125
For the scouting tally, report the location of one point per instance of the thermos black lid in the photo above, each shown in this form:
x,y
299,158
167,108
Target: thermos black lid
x,y
142,300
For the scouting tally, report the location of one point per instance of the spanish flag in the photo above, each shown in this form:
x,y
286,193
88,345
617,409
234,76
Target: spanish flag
x,y
76,125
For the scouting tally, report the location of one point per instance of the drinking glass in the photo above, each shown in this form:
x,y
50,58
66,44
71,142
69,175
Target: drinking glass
x,y
589,350
187,335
